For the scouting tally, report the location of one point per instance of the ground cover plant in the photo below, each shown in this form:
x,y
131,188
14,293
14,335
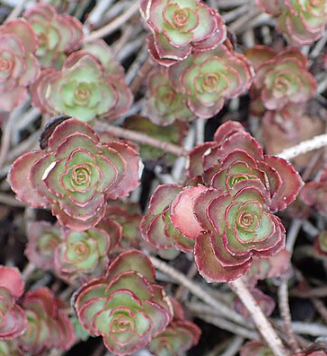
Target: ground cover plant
x,y
163,177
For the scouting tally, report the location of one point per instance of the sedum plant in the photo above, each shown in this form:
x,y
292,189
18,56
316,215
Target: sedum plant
x,y
303,22
180,26
43,239
281,80
229,216
82,254
12,317
75,175
315,194
125,307
210,78
47,324
179,336
164,104
255,348
156,225
57,34
19,67
83,88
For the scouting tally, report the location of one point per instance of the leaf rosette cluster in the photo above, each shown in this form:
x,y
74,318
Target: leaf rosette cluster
x,y
48,326
19,67
156,225
88,86
75,175
82,254
125,307
180,26
43,239
208,79
12,317
164,103
179,336
315,194
57,34
229,216
303,22
282,80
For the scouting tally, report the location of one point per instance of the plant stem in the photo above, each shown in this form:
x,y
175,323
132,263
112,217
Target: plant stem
x,y
141,138
114,25
286,316
260,320
304,147
197,290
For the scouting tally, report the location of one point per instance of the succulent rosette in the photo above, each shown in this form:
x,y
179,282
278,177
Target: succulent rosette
x,y
12,316
164,103
255,348
278,266
178,26
128,216
229,229
83,89
303,22
179,336
235,159
125,307
43,239
266,304
315,194
174,133
156,226
47,324
210,78
281,80
82,254
57,34
19,67
75,175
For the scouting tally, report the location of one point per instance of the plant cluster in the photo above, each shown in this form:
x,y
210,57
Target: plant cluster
x,y
157,181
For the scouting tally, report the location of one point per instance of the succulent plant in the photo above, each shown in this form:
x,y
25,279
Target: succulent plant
x,y
210,78
82,88
164,103
178,26
266,303
276,266
315,193
12,316
125,307
234,228
156,226
174,133
47,324
82,254
231,217
235,159
128,216
281,80
179,336
255,348
19,67
303,22
75,175
57,34
43,239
